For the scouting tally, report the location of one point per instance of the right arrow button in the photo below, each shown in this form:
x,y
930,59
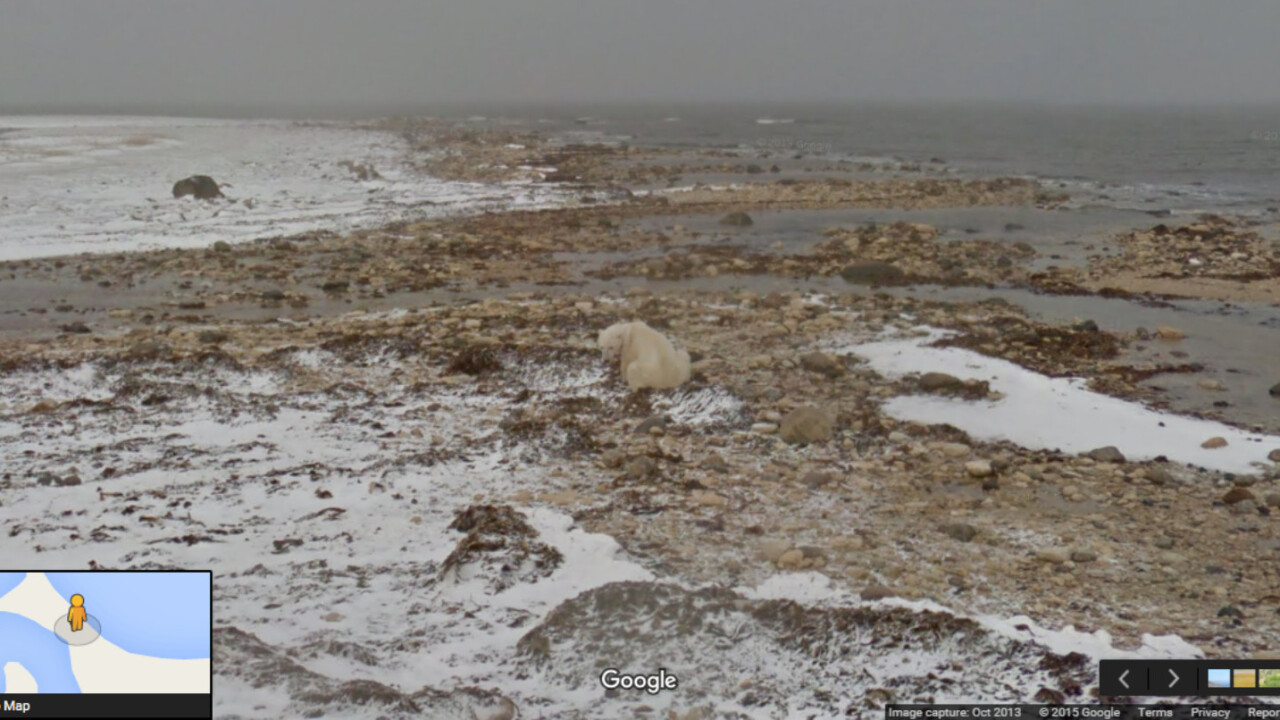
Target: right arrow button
x,y
1175,678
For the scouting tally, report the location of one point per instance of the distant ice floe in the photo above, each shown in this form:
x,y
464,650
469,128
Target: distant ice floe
x,y
103,184
1043,412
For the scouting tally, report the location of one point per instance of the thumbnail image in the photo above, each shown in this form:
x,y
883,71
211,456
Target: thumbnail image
x,y
1244,678
1269,678
1219,678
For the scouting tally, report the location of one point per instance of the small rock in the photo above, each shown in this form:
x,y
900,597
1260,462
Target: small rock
x,y
817,479
1169,333
1083,556
1211,384
213,337
764,428
877,592
1157,475
1275,390
1086,326
1273,499
1237,495
954,450
222,246
806,425
1214,443
1108,454
821,363
76,327
655,421
1163,542
737,219
872,272
1274,455
1230,611
962,532
1052,556
639,468
709,499
331,617
979,468
201,187
939,382
792,559
771,550
613,458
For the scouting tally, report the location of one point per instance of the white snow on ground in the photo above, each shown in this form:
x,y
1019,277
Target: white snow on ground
x,y
324,515
98,184
812,588
1043,412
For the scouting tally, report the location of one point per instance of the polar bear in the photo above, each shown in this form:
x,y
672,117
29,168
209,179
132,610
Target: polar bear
x,y
647,359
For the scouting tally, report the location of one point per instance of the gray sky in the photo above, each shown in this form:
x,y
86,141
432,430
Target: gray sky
x,y
58,53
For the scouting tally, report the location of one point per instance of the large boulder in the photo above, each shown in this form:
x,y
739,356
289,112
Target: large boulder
x,y
202,187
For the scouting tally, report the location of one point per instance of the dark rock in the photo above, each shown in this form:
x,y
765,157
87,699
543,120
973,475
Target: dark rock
x,y
1237,495
963,532
274,295
222,246
77,327
773,301
1274,455
474,359
335,286
806,425
817,479
754,169
822,364
1230,611
937,382
1108,454
873,272
1275,390
213,337
202,187
1086,326
737,219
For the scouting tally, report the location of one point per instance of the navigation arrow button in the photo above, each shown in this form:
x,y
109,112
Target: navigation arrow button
x,y
1124,675
1175,678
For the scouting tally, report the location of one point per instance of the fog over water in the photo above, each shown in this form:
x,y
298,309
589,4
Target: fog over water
x,y
299,56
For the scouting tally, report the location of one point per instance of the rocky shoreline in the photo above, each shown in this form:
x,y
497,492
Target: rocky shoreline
x,y
428,344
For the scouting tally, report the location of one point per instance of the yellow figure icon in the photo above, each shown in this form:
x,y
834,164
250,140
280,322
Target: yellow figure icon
x,y
77,613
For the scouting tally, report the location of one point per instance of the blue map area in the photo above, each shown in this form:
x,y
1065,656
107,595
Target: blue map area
x,y
9,581
164,615
47,658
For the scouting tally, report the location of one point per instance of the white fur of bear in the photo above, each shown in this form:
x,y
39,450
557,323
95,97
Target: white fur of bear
x,y
646,357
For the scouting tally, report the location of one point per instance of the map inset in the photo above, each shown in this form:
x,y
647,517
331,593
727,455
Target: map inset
x,y
105,632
